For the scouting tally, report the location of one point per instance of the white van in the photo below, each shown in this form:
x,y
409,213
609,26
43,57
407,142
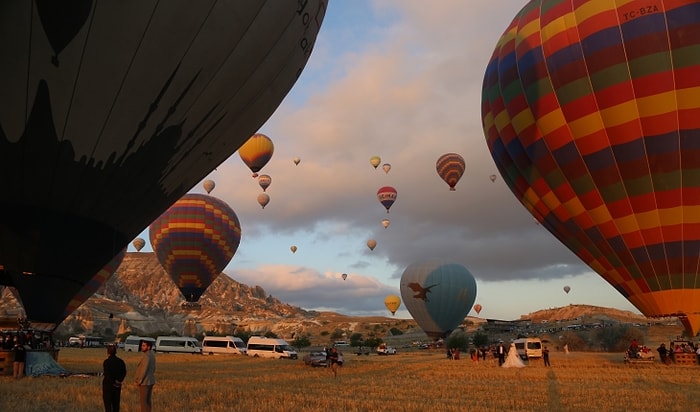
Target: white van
x,y
223,344
529,348
259,346
132,342
178,344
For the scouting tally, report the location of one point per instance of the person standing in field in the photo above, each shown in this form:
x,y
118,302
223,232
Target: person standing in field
x,y
501,351
20,353
334,360
145,375
545,356
114,372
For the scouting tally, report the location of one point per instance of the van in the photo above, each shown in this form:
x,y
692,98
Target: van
x,y
223,344
259,346
132,342
178,344
529,348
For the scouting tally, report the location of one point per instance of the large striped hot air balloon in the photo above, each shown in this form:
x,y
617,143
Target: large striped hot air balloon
x,y
194,240
256,152
450,168
591,112
111,111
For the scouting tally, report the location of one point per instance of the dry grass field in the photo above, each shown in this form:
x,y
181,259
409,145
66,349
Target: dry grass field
x,y
409,381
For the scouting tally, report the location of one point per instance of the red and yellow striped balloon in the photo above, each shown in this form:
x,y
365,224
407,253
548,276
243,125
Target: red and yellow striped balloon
x,y
194,240
591,111
450,168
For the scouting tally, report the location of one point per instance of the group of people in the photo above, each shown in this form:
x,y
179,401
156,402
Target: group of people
x,y
114,373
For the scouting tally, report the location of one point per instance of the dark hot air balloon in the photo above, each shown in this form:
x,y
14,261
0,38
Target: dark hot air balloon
x,y
592,116
108,117
194,240
293,248
264,181
138,244
344,276
567,289
450,168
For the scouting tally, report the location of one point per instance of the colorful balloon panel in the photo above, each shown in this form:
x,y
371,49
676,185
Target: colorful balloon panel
x,y
592,116
194,240
438,294
256,152
386,196
107,118
450,168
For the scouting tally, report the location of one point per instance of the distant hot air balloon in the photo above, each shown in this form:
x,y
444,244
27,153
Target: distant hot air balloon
x,y
263,199
264,181
477,308
296,160
450,167
344,276
591,119
208,185
386,196
256,152
438,294
493,178
385,223
194,240
107,119
567,289
138,244
293,248
392,302
386,167
371,244
375,161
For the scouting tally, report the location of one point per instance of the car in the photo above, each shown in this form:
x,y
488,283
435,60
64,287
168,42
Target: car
x,y
315,359
383,349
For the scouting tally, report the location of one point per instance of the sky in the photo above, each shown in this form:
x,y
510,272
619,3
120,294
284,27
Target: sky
x,y
400,79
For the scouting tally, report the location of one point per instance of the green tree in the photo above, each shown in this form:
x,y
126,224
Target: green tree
x,y
373,342
301,342
356,339
337,334
395,332
457,340
480,339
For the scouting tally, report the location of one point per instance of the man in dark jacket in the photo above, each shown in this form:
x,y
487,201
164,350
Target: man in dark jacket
x,y
114,370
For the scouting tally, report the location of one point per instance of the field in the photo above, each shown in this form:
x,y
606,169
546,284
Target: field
x,y
408,381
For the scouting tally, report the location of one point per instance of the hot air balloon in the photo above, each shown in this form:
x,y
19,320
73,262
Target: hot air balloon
x,y
344,276
591,121
116,118
208,185
194,240
293,248
371,244
138,244
263,199
256,152
385,223
386,167
386,196
477,308
264,181
438,294
296,160
450,168
567,289
493,178
392,302
375,161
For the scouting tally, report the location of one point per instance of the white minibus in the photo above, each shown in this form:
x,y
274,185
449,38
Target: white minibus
x,y
529,348
223,344
132,342
263,347
178,344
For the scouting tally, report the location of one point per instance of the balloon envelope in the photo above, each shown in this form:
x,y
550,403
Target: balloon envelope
x,y
371,244
477,308
386,196
194,240
256,152
493,178
450,168
344,276
208,185
385,223
293,248
386,167
107,118
439,294
375,161
263,199
593,124
392,302
296,160
264,181
138,244
567,289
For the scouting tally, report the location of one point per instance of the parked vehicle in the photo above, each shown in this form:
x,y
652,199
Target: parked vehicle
x,y
132,342
224,344
529,348
317,358
178,344
383,349
263,347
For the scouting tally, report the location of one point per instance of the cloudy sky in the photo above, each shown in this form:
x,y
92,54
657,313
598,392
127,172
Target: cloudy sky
x,y
400,79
